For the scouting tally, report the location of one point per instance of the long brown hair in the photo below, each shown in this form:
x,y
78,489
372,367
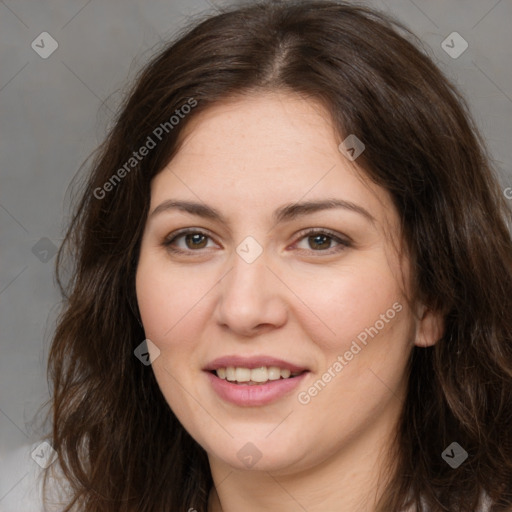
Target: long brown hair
x,y
120,446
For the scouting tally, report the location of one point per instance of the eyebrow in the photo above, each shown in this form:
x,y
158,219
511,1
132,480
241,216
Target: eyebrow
x,y
285,213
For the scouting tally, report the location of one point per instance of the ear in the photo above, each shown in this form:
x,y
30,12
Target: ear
x,y
429,327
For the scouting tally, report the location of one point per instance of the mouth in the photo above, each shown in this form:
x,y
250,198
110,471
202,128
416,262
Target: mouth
x,y
256,381
255,376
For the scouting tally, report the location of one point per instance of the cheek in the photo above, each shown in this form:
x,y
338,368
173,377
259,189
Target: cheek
x,y
153,301
167,309
345,302
167,300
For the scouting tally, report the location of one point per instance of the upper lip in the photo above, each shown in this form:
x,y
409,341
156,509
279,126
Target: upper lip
x,y
252,362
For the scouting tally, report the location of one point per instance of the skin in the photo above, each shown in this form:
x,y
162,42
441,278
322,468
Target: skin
x,y
300,301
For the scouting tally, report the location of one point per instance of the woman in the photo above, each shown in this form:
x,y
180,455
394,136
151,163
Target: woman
x,y
293,282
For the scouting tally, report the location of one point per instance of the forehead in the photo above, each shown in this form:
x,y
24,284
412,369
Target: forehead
x,y
262,151
278,126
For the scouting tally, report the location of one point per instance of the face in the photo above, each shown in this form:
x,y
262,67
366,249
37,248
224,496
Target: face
x,y
249,279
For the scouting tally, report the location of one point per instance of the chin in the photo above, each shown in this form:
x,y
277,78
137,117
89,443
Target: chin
x,y
259,454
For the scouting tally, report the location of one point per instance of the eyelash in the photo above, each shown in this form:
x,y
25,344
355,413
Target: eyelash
x,y
343,243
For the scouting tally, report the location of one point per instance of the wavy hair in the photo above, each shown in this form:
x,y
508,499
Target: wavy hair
x,y
119,444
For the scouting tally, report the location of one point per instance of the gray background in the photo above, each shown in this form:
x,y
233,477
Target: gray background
x,y
55,111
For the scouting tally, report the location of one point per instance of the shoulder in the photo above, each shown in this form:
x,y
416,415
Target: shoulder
x,y
21,477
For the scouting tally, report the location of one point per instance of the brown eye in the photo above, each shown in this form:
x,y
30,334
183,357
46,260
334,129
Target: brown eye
x,y
194,240
321,241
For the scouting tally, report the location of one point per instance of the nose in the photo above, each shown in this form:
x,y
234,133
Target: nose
x,y
251,297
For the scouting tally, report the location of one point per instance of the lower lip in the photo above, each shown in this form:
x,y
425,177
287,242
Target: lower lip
x,y
253,395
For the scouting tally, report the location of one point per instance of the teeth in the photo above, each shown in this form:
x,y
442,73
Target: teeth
x,y
285,373
274,373
242,374
255,375
259,374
